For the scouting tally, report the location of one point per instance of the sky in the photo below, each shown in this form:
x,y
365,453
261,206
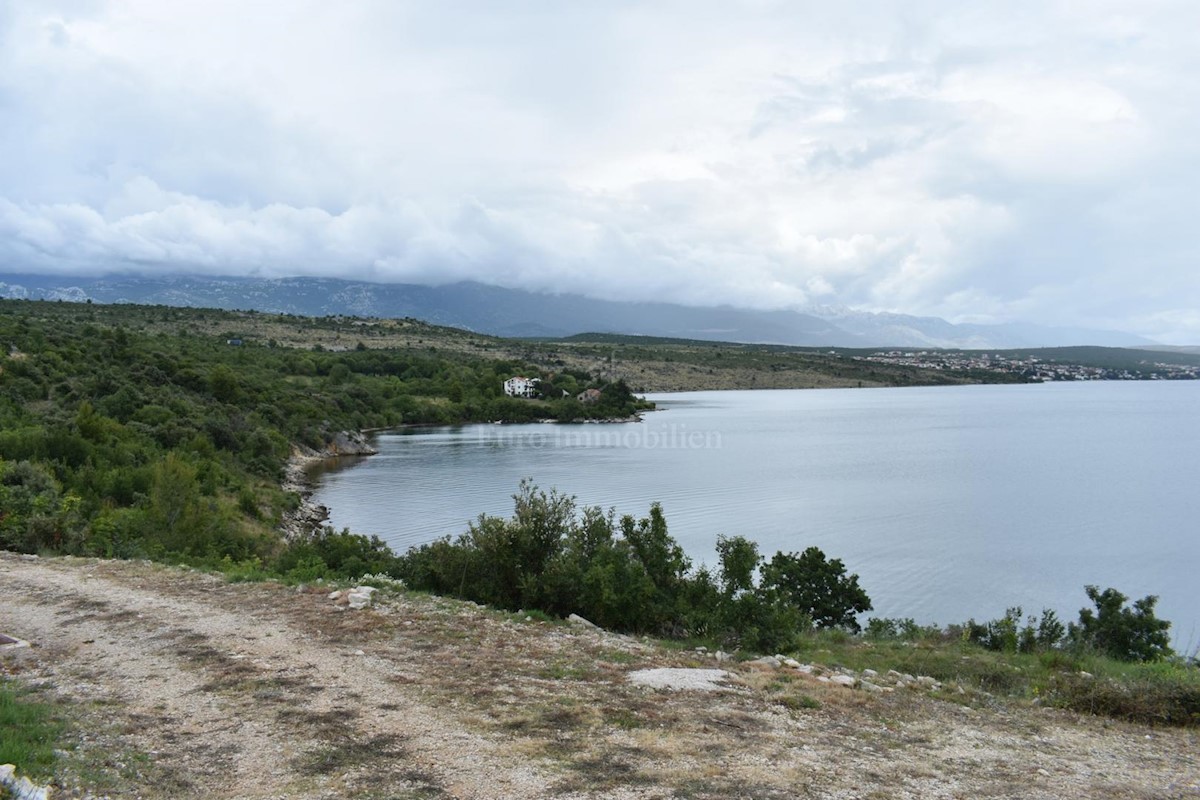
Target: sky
x,y
981,162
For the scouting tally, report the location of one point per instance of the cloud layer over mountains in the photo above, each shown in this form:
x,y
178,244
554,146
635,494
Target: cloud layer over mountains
x,y
979,162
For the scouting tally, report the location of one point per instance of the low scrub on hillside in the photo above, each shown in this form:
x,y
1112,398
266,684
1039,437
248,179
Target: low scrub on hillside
x,y
119,440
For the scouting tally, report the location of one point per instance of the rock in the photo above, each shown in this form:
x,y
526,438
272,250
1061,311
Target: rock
x,y
926,681
349,443
700,680
823,679
21,788
768,661
871,687
791,663
721,656
807,669
1083,674
360,596
575,619
336,595
870,673
843,680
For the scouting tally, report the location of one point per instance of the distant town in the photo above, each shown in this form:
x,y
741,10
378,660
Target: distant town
x,y
1031,368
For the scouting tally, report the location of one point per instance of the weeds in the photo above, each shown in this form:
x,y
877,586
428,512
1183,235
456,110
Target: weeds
x,y
29,731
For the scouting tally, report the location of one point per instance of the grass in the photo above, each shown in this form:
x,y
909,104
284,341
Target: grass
x,y
29,732
1165,692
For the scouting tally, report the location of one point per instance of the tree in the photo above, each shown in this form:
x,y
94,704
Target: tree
x,y
1127,634
817,587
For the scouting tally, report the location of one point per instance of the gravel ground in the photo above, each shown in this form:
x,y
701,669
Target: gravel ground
x,y
181,685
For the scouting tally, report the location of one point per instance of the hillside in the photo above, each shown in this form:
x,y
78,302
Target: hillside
x,y
176,684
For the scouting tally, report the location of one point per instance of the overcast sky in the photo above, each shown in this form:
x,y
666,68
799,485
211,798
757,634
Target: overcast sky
x,y
976,161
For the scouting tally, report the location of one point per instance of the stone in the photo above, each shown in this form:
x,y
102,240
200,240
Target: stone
x,y
360,596
575,619
871,687
926,681
843,680
791,663
679,679
21,788
721,656
870,673
767,661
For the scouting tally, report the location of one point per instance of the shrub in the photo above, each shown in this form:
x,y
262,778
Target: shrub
x,y
1127,634
817,587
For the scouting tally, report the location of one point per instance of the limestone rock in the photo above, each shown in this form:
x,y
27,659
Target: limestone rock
x,y
843,680
771,662
701,680
575,619
21,788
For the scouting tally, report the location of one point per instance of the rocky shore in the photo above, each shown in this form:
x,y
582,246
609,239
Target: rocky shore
x,y
309,516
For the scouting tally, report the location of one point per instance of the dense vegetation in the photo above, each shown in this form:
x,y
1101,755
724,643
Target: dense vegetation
x,y
631,575
120,440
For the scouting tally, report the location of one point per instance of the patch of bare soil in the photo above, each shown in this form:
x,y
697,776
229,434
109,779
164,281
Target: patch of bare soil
x,y
182,685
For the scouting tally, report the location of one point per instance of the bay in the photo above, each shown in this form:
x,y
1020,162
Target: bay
x,y
949,502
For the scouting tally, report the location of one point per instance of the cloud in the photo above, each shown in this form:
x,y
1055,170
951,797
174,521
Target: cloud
x,y
990,161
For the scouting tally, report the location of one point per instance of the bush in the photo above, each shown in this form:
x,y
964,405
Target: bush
x,y
632,576
1126,634
817,587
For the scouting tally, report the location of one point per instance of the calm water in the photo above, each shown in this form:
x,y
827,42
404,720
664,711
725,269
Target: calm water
x,y
949,502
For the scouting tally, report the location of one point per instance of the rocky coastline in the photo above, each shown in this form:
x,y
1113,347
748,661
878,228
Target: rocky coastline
x,y
309,516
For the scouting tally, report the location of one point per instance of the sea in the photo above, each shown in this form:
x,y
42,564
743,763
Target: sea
x,y
949,502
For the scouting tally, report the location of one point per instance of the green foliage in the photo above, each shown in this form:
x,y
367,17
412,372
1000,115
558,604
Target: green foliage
x,y
122,441
29,732
329,554
1128,634
817,587
630,576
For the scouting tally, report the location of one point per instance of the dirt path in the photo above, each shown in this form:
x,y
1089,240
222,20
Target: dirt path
x,y
186,686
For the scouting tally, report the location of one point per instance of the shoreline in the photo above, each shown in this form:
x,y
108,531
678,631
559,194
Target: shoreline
x,y
309,517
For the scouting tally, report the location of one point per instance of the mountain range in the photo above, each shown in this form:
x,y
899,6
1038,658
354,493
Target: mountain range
x,y
517,313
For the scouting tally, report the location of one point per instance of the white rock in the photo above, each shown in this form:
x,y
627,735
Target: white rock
x,y
870,673
807,669
870,687
701,680
359,599
21,788
842,680
767,661
926,681
722,656
334,595
575,619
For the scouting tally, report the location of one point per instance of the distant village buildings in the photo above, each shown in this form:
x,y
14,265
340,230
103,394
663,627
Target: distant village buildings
x,y
519,386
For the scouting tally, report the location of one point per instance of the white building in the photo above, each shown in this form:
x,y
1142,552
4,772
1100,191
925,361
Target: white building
x,y
521,387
